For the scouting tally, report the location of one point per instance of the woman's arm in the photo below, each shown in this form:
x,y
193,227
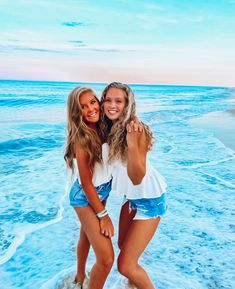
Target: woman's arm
x,y
85,173
137,152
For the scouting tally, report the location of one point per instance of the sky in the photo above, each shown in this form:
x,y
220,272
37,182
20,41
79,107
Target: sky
x,y
160,42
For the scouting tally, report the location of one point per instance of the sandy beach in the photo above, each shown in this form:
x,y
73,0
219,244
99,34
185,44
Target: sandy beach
x,y
221,124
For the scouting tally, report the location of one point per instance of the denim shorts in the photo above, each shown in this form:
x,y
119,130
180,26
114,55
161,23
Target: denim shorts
x,y
78,198
148,208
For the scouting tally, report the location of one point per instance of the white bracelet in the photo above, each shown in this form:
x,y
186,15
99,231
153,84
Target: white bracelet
x,y
102,214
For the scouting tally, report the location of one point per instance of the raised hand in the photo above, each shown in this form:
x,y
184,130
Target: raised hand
x,y
137,151
134,134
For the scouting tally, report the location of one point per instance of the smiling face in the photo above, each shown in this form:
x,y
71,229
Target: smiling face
x,y
90,108
114,103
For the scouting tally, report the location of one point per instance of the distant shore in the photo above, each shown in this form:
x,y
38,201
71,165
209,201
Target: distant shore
x,y
221,123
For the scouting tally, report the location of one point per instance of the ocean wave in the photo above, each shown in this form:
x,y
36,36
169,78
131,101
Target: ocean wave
x,y
191,164
215,180
27,145
29,101
31,217
19,235
64,275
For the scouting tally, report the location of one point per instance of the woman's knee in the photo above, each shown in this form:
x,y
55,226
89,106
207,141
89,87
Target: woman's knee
x,y
83,242
83,239
106,261
125,266
120,243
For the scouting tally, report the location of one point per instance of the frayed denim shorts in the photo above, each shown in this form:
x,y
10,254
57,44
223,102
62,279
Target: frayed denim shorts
x,y
78,198
148,208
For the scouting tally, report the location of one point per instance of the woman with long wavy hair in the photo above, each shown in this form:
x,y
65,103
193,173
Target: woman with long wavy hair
x,y
134,178
92,185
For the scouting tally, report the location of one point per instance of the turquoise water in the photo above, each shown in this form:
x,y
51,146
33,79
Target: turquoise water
x,y
194,245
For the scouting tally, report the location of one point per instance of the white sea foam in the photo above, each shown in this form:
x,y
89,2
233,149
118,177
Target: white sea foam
x,y
222,181
20,233
62,280
205,164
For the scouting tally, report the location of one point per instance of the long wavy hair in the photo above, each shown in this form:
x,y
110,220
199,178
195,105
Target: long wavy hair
x,y
79,133
115,133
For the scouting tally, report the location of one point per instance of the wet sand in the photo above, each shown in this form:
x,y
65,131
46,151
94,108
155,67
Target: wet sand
x,y
221,124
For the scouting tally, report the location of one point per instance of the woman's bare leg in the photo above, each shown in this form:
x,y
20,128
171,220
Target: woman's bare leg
x,y
125,220
83,247
139,235
101,245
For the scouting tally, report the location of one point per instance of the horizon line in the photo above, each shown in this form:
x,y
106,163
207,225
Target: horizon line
x,y
147,84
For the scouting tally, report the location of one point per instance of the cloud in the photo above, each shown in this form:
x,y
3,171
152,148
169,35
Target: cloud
x,y
110,48
36,49
103,50
62,49
7,48
76,41
73,24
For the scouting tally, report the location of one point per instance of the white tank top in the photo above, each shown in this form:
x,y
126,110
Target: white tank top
x,y
153,184
101,172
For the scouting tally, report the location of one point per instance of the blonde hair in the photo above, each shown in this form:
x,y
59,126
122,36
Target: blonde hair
x,y
78,132
115,133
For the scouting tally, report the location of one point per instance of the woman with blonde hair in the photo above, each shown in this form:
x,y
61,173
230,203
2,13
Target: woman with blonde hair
x,y
134,178
92,186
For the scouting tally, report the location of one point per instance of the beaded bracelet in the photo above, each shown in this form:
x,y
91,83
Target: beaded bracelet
x,y
102,214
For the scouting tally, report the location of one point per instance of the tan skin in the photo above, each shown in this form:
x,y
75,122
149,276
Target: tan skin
x,y
131,243
95,232
137,146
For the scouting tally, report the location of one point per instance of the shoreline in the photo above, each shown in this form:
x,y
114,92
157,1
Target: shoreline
x,y
221,124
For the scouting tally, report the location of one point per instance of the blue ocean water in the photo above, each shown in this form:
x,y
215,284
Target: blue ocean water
x,y
194,245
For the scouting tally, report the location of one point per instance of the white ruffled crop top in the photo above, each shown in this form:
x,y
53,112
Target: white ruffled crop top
x,y
153,184
101,173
